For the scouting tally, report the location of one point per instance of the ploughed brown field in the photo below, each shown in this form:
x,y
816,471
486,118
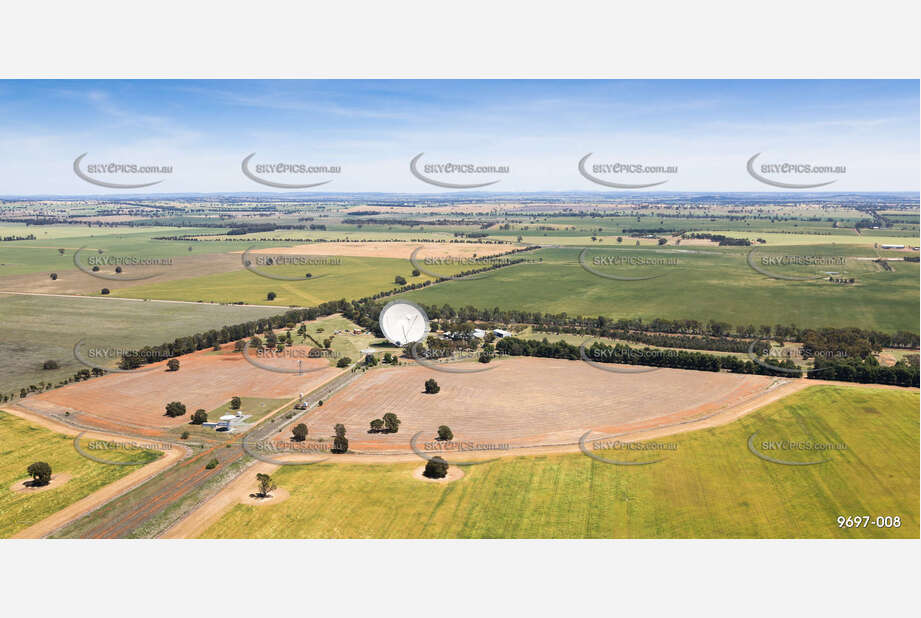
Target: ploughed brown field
x,y
136,401
525,402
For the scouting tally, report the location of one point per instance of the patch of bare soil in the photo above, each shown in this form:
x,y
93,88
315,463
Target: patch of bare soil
x,y
274,497
28,485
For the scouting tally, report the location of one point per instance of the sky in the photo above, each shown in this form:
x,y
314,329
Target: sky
x,y
539,129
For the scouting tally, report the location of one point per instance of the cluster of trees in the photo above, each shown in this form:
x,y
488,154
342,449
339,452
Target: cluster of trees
x,y
602,326
626,355
865,370
12,238
389,424
721,239
174,409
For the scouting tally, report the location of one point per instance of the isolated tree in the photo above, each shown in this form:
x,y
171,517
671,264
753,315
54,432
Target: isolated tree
x,y
416,272
199,417
436,468
54,276
391,422
50,364
345,361
173,364
340,442
174,409
445,433
662,241
40,473
376,425
61,251
308,276
235,403
270,296
118,269
212,464
266,485
399,280
300,432
302,331
431,386
95,269
327,342
104,291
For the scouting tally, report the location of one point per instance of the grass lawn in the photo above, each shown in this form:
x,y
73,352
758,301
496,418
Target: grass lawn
x,y
711,487
22,444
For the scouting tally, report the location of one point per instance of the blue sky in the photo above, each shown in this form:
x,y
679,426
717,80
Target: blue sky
x,y
540,129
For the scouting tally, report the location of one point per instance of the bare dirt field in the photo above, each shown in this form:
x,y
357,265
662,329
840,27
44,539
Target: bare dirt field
x,y
400,250
135,402
525,402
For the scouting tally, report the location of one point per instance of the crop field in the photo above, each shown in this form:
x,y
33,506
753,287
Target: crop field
x,y
22,444
704,284
714,486
353,277
137,399
34,329
554,402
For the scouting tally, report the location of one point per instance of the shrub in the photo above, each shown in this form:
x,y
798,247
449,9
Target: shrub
x,y
40,473
212,464
54,276
104,291
345,361
173,364
50,364
399,280
184,436
445,433
270,296
435,468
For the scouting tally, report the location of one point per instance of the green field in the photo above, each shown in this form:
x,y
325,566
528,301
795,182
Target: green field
x,y
706,284
353,278
34,329
22,444
710,487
